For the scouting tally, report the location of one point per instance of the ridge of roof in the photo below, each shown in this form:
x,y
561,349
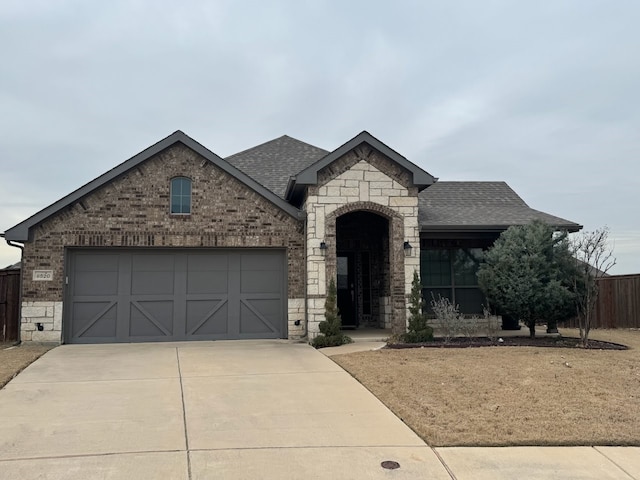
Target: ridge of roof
x,y
270,142
272,163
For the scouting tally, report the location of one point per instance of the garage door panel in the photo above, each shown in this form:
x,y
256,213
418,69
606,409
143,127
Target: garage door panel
x,y
96,263
152,283
207,282
90,283
153,263
251,324
259,281
151,318
261,261
259,316
172,294
208,262
94,319
208,317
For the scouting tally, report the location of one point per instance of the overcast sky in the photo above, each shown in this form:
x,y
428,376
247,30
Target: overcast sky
x,y
543,95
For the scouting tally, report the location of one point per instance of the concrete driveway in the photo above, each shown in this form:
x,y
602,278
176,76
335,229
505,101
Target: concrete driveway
x,y
239,409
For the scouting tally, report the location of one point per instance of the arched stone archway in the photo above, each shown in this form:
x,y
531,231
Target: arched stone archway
x,y
363,235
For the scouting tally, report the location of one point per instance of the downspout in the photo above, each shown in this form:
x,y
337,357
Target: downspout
x,y
11,243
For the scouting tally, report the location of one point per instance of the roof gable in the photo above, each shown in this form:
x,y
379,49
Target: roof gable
x,y
309,176
21,232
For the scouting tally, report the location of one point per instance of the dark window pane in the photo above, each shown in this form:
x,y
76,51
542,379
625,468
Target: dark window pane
x,y
470,300
186,187
465,266
366,284
430,294
343,273
180,195
435,267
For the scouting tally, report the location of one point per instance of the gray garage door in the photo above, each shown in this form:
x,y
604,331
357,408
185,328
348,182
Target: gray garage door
x,y
168,295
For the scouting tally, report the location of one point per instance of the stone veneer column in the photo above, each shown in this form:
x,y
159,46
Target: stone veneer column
x,y
362,187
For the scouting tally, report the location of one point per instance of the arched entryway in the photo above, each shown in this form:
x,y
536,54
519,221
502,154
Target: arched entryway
x,y
362,269
367,261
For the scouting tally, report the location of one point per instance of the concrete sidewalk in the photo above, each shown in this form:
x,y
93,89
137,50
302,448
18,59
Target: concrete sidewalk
x,y
232,410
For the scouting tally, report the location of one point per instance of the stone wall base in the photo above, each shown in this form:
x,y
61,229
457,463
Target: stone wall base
x,y
47,315
474,326
296,314
315,315
385,311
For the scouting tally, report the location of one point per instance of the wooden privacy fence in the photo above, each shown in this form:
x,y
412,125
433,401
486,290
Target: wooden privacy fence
x,y
618,303
9,305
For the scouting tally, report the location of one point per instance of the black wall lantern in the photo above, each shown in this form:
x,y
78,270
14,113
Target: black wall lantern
x,y
407,248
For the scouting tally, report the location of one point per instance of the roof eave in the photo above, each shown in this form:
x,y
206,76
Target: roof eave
x,y
572,227
309,176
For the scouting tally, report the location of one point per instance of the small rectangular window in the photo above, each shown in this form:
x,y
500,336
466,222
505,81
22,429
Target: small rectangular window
x,y
181,195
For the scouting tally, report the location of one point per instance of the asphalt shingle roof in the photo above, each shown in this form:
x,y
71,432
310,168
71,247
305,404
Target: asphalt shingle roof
x,y
273,162
481,205
442,206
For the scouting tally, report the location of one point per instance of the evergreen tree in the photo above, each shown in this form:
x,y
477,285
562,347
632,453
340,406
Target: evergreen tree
x,y
418,330
330,333
528,274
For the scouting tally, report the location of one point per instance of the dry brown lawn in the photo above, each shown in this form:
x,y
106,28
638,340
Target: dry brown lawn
x,y
15,359
510,395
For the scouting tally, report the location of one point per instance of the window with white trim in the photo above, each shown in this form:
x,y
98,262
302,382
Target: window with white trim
x,y
181,195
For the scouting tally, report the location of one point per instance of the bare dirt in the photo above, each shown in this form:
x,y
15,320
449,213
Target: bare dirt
x,y
14,359
511,396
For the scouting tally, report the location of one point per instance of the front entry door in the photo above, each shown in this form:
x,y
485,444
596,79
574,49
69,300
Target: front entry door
x,y
347,290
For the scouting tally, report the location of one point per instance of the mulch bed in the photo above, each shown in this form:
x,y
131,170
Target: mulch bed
x,y
467,342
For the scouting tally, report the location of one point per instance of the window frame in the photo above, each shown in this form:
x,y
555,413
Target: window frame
x,y
452,286
181,196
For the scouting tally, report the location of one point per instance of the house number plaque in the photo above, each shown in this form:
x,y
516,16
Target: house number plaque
x,y
43,275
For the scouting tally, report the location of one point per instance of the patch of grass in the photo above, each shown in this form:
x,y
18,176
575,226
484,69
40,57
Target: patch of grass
x,y
15,359
510,396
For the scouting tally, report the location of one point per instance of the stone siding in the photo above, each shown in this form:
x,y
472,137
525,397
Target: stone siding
x,y
385,306
296,314
133,211
46,314
363,179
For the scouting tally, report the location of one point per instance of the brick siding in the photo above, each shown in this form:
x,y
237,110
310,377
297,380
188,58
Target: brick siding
x,y
133,211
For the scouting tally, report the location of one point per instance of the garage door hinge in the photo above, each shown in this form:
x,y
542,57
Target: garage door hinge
x,y
66,280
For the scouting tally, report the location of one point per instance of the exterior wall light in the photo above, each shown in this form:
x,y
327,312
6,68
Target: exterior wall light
x,y
323,248
407,248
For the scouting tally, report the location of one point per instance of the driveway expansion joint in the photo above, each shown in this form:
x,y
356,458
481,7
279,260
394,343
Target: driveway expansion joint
x,y
595,447
184,415
444,464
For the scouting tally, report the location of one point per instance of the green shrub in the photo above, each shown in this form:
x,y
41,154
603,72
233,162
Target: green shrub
x,y
322,341
330,333
418,331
